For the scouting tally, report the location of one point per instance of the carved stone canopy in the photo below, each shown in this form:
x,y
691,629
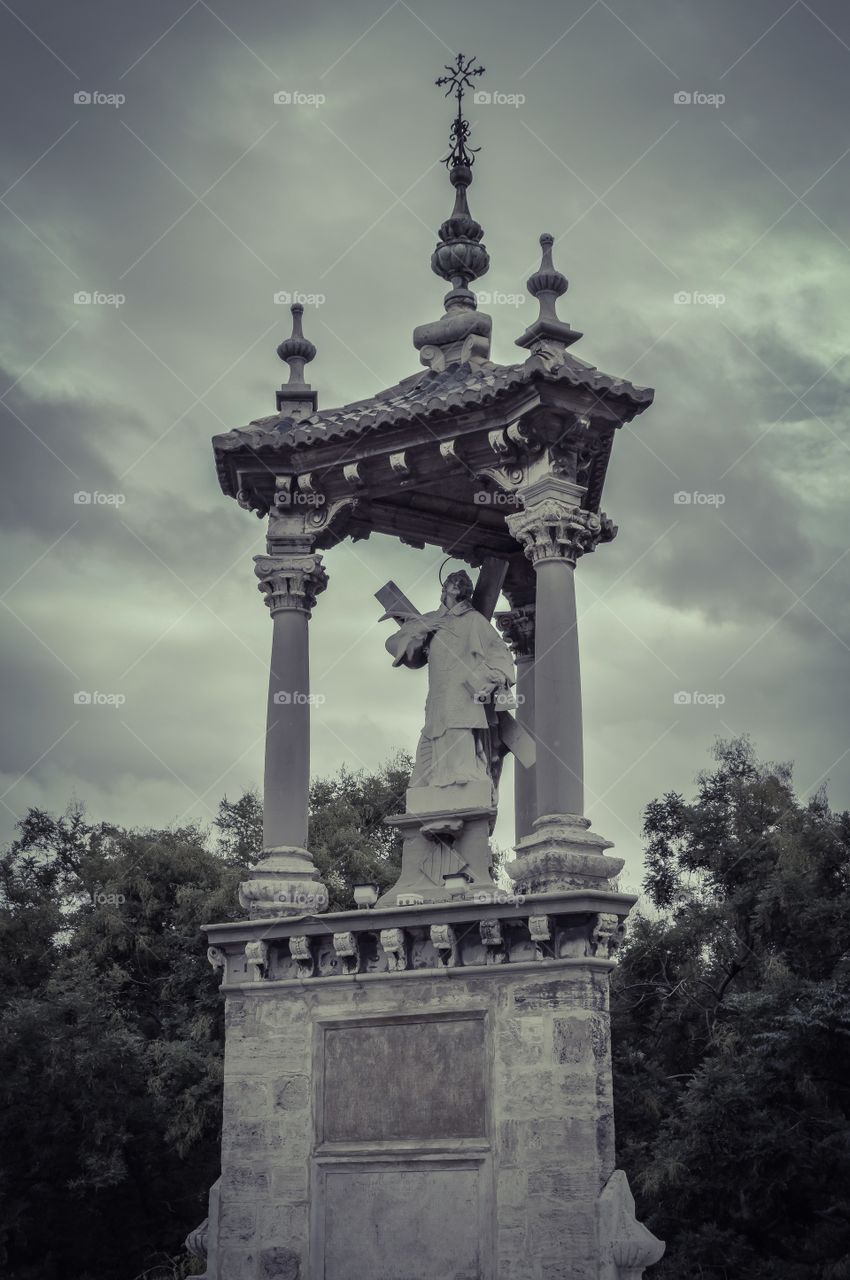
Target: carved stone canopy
x,y
438,458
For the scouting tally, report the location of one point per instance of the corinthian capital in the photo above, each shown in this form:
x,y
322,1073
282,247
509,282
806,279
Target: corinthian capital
x,y
552,524
290,581
517,626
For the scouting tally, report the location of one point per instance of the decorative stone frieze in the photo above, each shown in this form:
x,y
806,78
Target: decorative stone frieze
x,y
517,626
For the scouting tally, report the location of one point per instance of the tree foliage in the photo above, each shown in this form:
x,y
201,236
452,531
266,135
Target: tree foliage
x,y
731,1014
111,1028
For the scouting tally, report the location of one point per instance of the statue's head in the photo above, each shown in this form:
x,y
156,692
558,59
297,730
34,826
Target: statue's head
x,y
457,587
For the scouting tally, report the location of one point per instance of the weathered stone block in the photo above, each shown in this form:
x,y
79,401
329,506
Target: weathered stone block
x,y
243,1181
279,1263
572,1040
237,1263
237,1222
292,1092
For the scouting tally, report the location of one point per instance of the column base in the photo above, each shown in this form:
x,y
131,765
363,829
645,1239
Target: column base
x,y
285,882
563,853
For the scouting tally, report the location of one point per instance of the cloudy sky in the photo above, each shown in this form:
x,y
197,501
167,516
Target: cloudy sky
x,y
184,189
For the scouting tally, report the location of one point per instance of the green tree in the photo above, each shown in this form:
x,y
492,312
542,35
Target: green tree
x,y
731,1015
111,1024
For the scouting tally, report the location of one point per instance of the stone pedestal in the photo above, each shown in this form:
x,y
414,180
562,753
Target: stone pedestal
x,y
445,831
422,1093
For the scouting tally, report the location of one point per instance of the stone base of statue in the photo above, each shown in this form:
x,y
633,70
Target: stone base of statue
x,y
422,1092
445,832
283,882
563,853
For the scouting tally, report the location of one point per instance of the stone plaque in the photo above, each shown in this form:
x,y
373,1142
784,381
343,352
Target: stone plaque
x,y
404,1079
401,1224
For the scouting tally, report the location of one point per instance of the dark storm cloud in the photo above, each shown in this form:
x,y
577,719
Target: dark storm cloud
x,y
648,199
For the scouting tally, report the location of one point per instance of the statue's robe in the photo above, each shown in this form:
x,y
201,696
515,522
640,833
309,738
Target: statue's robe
x,y
468,665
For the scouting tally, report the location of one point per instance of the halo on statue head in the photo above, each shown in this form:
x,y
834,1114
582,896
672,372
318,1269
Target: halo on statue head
x,y
448,560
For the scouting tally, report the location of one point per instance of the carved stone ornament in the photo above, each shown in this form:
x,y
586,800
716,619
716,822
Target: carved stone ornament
x,y
216,958
517,626
347,947
302,954
552,525
607,935
257,955
394,947
290,581
626,1246
493,939
445,942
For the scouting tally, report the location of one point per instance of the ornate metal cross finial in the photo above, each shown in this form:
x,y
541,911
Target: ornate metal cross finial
x,y
457,82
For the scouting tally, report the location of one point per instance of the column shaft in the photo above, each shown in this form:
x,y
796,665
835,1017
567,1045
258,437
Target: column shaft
x,y
525,780
287,769
557,683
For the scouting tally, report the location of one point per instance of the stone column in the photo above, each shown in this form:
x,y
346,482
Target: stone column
x,y
560,852
285,881
517,626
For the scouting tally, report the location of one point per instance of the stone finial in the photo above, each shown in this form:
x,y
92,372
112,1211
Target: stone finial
x,y
296,398
461,335
548,334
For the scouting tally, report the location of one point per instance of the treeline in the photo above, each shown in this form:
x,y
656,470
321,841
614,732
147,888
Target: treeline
x,y
730,1007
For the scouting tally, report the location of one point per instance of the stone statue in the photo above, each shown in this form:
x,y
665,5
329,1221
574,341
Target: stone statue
x,y
470,674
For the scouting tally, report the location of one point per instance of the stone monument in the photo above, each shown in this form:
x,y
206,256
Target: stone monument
x,y
422,1090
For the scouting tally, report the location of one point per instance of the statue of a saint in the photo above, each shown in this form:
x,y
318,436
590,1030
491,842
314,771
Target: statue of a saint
x,y
470,674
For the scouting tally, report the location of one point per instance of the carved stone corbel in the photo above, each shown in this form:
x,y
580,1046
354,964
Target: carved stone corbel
x,y
444,940
394,946
607,935
494,942
347,947
257,956
302,953
217,959
540,930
